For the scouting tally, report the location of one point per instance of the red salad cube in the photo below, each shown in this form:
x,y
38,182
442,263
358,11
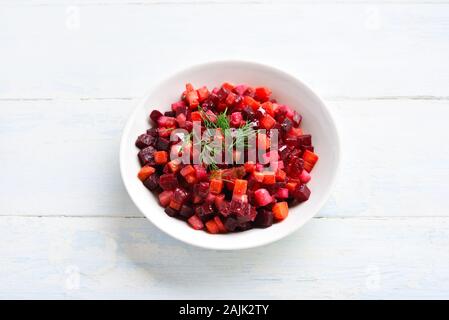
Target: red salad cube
x,y
280,210
165,197
262,197
262,93
195,222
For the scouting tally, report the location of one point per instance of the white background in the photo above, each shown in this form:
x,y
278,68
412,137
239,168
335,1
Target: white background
x,y
71,72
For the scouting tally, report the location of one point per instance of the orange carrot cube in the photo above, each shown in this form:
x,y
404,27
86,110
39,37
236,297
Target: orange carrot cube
x,y
212,227
160,157
145,172
240,187
269,178
216,185
280,210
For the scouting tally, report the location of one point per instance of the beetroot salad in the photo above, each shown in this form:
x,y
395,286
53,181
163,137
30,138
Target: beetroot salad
x,y
227,160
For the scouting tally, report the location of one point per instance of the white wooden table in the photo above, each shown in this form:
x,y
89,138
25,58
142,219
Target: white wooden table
x,y
71,72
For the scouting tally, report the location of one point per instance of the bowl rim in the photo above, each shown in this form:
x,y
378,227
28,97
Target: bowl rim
x,y
240,245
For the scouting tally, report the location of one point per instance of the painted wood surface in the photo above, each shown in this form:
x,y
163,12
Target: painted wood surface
x,y
119,50
129,258
71,71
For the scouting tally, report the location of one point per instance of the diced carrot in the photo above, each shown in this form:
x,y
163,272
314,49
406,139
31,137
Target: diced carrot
x,y
280,175
295,132
175,205
191,178
188,169
220,225
189,87
247,100
195,222
258,176
269,177
196,116
174,165
267,121
263,93
145,172
216,185
310,157
240,186
160,157
268,107
192,99
291,185
203,93
212,227
280,210
250,166
228,86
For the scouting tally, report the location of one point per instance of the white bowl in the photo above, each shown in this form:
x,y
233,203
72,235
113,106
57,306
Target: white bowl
x,y
288,90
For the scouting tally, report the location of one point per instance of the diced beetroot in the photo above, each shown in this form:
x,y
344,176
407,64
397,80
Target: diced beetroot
x,y
180,195
166,122
230,224
165,197
178,106
236,119
201,189
305,176
196,223
220,225
186,211
219,200
152,182
286,125
155,115
146,156
282,193
170,114
264,218
203,93
305,140
145,140
171,212
297,118
168,181
210,198
262,197
301,193
198,193
181,120
163,144
240,89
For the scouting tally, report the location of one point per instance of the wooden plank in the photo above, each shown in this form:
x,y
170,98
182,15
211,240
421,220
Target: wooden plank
x,y
129,258
60,157
344,50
